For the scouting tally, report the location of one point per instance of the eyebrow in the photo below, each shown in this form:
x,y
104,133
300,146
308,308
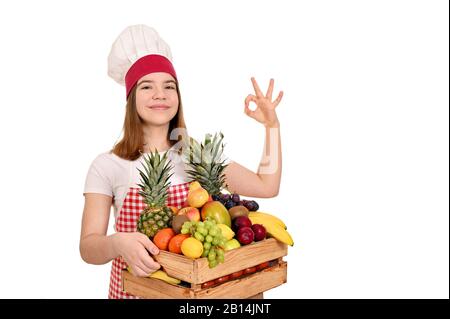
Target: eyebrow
x,y
151,81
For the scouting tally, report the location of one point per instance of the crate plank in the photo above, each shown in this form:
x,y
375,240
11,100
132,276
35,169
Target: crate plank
x,y
197,271
241,258
177,266
247,287
152,288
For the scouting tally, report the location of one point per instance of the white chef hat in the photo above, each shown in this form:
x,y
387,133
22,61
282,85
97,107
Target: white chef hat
x,y
138,51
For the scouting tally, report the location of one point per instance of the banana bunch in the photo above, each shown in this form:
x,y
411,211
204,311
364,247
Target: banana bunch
x,y
162,275
274,226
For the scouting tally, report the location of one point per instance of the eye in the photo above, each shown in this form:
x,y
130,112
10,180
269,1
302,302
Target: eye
x,y
171,87
144,87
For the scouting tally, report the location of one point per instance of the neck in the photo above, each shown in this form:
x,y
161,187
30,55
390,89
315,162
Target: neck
x,y
156,137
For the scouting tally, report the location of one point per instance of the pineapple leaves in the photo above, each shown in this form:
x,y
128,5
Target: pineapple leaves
x,y
155,179
205,162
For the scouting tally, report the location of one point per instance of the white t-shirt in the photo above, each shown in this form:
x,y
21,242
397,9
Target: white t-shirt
x,y
113,176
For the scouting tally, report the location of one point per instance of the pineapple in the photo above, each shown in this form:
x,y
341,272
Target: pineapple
x,y
154,186
204,163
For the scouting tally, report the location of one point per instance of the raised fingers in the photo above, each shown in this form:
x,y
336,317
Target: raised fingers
x,y
270,90
278,100
256,87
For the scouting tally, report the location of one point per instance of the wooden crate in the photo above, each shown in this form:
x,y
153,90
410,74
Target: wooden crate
x,y
195,272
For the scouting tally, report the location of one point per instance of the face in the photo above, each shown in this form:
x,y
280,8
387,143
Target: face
x,y
156,98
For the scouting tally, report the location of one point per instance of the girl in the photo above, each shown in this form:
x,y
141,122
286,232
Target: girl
x,y
141,60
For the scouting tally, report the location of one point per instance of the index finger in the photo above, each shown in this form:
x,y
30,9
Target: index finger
x,y
149,245
256,87
270,90
149,262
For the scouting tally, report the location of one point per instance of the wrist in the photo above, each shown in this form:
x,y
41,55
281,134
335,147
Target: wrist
x,y
272,125
114,244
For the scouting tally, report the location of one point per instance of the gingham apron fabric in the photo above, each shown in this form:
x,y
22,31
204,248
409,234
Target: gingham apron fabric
x,y
132,207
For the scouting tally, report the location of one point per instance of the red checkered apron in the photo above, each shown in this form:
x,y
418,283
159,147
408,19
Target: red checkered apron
x,y
132,207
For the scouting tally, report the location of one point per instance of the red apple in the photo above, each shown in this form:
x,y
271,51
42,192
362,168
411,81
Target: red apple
x,y
191,212
241,221
245,235
260,232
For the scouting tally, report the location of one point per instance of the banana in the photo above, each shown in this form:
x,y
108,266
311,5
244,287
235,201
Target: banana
x,y
273,218
159,274
274,229
162,275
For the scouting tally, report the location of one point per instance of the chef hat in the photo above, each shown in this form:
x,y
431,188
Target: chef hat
x,y
138,51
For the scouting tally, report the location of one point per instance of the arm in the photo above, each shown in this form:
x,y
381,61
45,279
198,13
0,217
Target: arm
x,y
95,247
98,248
266,182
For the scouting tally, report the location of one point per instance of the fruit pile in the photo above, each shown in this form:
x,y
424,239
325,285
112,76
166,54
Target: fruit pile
x,y
206,228
213,220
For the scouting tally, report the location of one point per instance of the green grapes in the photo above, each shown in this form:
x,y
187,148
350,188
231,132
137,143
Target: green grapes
x,y
211,236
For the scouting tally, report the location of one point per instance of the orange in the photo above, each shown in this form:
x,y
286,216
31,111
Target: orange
x,y
174,209
162,238
175,243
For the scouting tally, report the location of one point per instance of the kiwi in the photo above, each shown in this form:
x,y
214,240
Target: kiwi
x,y
177,222
237,211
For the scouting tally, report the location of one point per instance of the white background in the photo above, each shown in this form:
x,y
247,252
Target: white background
x,y
364,132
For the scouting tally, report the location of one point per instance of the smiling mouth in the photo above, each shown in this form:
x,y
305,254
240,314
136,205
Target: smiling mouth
x,y
159,107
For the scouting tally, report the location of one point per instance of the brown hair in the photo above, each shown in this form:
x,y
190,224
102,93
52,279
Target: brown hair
x,y
132,143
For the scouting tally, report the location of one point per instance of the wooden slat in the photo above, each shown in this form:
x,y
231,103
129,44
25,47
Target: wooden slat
x,y
248,286
258,296
238,259
177,266
152,288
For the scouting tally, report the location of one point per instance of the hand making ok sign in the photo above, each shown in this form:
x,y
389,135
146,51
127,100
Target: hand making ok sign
x,y
265,108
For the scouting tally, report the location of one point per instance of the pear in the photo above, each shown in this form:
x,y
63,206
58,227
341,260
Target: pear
x,y
197,197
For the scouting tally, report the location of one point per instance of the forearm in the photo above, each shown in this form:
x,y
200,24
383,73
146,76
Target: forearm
x,y
98,249
269,170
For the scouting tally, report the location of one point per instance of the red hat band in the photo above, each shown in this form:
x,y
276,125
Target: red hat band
x,y
148,64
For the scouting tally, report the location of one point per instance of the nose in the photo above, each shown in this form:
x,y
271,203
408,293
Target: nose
x,y
159,93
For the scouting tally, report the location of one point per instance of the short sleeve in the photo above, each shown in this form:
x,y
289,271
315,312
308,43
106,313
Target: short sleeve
x,y
99,179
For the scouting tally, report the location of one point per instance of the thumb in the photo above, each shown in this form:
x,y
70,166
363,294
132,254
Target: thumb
x,y
149,245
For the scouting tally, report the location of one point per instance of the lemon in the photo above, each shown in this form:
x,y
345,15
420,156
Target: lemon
x,y
192,248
